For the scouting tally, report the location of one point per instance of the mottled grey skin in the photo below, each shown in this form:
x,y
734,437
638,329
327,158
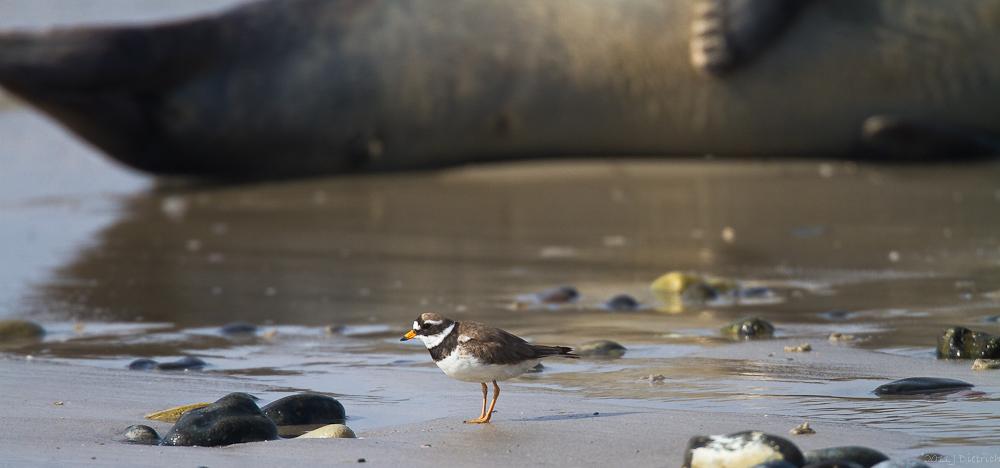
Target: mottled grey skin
x,y
304,87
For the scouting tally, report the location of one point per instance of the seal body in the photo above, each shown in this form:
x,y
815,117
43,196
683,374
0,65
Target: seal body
x,y
302,87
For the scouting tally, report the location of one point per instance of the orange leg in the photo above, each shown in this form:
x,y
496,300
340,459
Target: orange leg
x,y
485,416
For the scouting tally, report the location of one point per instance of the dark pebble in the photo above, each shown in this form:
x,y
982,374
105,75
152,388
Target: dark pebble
x,y
775,464
600,348
834,464
836,314
335,329
962,343
921,386
184,363
297,414
749,328
15,332
238,328
863,456
901,463
558,295
622,303
233,419
141,434
756,292
744,444
699,293
142,364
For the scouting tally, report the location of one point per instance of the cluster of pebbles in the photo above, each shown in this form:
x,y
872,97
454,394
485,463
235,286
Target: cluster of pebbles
x,y
560,295
679,290
598,349
675,289
236,419
752,449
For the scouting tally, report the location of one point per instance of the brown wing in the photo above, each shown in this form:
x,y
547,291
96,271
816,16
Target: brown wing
x,y
496,346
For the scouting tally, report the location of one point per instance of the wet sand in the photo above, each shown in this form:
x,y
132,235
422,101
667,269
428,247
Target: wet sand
x,y
533,426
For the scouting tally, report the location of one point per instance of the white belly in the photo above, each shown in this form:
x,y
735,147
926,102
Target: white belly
x,y
467,368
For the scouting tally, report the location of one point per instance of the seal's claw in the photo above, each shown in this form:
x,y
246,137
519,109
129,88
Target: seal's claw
x,y
728,33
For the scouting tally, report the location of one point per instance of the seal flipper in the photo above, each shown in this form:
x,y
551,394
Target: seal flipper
x,y
726,34
106,84
897,138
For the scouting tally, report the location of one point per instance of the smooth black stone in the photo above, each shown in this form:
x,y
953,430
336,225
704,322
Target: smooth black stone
x,y
921,386
558,295
335,329
600,348
141,434
863,456
698,293
836,315
233,419
185,363
741,441
901,463
14,332
756,292
238,328
834,464
622,303
775,464
749,328
142,364
962,343
305,408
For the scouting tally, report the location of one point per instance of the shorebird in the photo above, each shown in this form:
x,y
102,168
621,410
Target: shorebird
x,y
473,352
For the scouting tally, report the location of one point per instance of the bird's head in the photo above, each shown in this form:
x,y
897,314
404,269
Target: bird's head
x,y
430,328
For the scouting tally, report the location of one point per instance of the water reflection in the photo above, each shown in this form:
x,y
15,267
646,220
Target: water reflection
x,y
469,240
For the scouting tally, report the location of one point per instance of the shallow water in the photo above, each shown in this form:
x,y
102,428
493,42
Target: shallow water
x,y
117,266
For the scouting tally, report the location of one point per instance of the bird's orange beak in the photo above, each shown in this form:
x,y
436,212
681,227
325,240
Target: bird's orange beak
x,y
409,335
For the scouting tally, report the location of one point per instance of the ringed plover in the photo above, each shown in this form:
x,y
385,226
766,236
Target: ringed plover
x,y
473,352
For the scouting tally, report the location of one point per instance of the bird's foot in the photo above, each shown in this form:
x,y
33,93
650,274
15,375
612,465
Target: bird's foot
x,y
479,420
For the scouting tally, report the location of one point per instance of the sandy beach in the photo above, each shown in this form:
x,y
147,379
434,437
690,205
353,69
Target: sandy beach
x,y
533,426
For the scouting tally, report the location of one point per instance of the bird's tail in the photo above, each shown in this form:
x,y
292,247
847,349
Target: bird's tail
x,y
546,351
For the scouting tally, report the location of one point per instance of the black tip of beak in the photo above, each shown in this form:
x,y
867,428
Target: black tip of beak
x,y
403,339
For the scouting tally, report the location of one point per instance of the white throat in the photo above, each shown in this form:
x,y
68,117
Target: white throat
x,y
434,340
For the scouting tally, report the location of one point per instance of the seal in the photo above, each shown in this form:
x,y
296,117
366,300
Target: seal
x,y
305,87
